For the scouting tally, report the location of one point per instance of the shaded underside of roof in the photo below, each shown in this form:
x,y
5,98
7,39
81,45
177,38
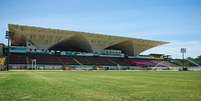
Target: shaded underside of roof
x,y
46,38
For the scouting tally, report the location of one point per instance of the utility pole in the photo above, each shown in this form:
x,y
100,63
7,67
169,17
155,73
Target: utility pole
x,y
183,51
7,36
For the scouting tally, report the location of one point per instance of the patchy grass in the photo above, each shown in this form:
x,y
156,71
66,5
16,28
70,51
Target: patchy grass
x,y
100,86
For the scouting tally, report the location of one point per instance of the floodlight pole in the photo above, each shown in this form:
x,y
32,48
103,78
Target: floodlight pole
x,y
183,51
183,60
8,50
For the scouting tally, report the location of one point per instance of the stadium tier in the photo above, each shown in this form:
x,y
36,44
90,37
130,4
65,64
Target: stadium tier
x,y
45,47
77,60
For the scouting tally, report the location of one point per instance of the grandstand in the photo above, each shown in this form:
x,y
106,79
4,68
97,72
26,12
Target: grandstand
x,y
44,48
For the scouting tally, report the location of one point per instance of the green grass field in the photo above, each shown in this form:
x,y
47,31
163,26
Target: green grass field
x,y
100,86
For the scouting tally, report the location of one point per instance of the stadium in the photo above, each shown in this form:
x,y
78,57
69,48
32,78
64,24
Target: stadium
x,y
100,50
51,64
44,48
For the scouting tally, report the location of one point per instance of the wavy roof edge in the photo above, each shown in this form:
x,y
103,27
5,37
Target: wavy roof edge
x,y
45,38
101,34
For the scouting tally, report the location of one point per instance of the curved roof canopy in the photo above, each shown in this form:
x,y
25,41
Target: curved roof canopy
x,y
45,38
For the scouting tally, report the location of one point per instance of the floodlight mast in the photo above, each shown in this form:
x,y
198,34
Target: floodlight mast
x,y
183,51
7,36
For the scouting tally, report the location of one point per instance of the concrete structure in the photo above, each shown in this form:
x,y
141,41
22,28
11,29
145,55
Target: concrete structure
x,y
1,49
55,39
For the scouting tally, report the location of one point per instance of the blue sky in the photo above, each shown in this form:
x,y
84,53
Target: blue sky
x,y
175,21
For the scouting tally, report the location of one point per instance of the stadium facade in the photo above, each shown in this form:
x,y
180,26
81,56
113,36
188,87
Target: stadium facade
x,y
72,48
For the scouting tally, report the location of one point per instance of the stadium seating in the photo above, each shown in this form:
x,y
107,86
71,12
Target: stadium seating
x,y
94,61
84,60
56,60
17,59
